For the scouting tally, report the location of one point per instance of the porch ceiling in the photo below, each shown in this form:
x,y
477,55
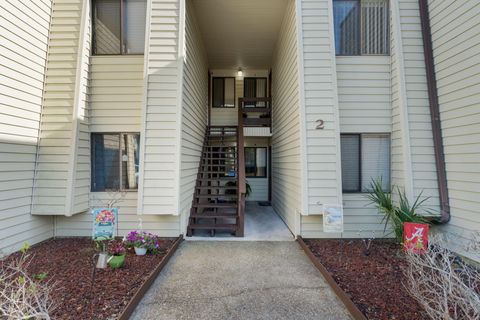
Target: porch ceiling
x,y
240,33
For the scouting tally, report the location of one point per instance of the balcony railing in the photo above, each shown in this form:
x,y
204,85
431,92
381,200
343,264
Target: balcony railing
x,y
255,112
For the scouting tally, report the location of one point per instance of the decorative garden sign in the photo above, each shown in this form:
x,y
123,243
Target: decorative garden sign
x,y
415,237
104,220
332,218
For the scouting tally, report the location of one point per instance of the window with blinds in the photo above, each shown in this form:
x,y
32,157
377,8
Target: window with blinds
x,y
361,27
365,157
119,26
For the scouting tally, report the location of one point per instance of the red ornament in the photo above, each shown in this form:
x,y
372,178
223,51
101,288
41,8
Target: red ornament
x,y
415,237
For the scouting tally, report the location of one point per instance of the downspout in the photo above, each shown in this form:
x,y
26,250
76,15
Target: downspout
x,y
434,113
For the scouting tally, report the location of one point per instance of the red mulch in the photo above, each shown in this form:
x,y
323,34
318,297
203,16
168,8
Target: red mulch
x,y
375,283
69,263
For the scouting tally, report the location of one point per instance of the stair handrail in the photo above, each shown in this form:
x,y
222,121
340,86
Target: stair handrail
x,y
242,190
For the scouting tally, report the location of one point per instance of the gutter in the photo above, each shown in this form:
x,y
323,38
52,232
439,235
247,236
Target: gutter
x,y
434,113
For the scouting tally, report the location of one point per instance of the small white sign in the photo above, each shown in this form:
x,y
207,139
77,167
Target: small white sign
x,y
332,218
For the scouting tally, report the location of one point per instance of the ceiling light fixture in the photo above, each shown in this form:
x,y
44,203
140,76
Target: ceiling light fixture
x,y
240,72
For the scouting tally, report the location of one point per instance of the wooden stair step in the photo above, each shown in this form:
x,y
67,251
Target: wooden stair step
x,y
214,215
215,205
213,226
217,187
220,179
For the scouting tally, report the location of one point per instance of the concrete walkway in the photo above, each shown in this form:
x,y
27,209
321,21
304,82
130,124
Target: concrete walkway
x,y
262,223
240,280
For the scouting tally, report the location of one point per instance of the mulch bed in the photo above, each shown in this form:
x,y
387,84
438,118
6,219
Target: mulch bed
x,y
375,283
69,263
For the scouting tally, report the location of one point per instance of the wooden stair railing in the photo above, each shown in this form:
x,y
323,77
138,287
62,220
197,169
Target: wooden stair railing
x,y
216,201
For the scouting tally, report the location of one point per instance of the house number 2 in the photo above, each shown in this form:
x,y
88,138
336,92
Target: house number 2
x,y
320,125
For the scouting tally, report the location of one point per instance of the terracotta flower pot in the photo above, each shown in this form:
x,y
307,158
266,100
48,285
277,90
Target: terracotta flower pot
x,y
116,262
139,251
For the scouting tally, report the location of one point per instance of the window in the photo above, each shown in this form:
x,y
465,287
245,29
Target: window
x,y
256,162
115,161
361,27
365,157
255,88
223,92
119,26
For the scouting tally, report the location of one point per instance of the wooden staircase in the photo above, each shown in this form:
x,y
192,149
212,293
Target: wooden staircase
x,y
219,199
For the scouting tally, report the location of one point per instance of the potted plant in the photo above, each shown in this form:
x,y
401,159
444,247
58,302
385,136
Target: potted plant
x,y
139,241
117,254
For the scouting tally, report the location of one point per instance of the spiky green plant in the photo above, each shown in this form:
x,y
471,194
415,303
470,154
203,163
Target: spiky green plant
x,y
396,215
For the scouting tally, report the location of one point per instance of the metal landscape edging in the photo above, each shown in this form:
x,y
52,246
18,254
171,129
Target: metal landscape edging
x,y
351,307
137,297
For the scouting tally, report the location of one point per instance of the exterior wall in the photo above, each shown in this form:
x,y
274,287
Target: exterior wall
x,y
158,191
456,44
412,130
62,173
195,112
115,93
322,147
114,105
364,94
24,34
229,116
286,150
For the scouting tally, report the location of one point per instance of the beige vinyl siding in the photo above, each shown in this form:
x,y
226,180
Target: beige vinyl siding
x,y
115,93
364,96
456,44
160,135
128,220
63,146
286,153
195,112
413,165
421,137
321,103
23,49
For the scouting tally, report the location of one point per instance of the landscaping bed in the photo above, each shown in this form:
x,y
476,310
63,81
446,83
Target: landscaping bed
x,y
374,282
69,264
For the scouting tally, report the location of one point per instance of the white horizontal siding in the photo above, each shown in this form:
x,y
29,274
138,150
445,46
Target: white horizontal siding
x,y
286,152
456,45
61,150
159,176
81,225
421,137
321,103
115,93
24,32
195,109
364,95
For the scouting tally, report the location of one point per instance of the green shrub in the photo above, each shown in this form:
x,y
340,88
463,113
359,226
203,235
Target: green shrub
x,y
396,214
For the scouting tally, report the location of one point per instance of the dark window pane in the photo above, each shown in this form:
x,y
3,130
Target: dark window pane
x,y
105,162
218,92
106,21
347,27
250,90
130,146
229,99
134,12
350,149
